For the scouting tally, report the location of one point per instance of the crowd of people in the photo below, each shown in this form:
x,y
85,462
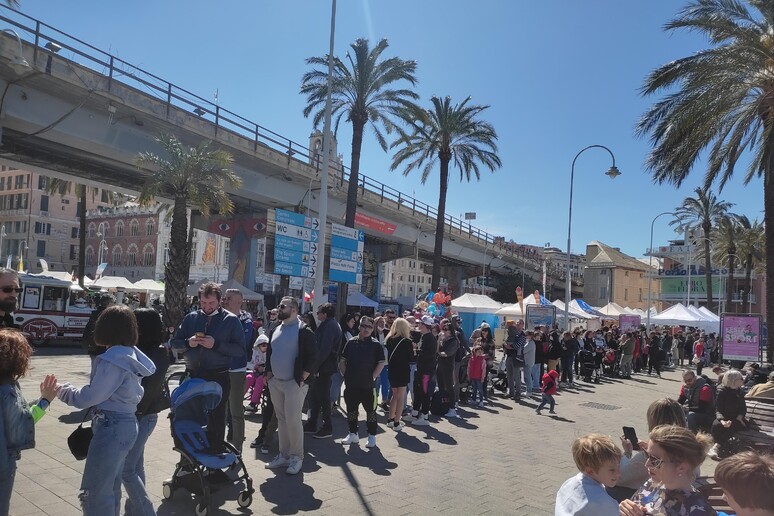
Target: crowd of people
x,y
298,370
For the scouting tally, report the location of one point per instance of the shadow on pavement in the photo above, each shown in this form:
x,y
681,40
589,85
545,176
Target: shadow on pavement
x,y
460,422
433,434
560,418
411,443
183,503
288,493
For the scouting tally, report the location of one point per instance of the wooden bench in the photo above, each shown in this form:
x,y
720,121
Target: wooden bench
x,y
760,434
713,493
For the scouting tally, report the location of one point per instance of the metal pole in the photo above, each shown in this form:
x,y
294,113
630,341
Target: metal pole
x,y
323,208
483,272
650,265
2,235
568,285
688,266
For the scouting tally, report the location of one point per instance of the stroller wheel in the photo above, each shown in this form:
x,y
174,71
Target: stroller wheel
x,y
167,491
244,499
202,509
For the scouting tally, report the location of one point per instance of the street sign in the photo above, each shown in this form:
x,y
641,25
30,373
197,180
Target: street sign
x,y
346,260
295,244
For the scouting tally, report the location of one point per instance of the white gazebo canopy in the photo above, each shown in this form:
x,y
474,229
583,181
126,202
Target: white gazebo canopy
x,y
247,294
147,285
613,310
475,303
113,282
574,312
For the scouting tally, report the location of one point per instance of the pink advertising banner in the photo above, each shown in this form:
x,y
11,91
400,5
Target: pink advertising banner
x,y
629,322
740,336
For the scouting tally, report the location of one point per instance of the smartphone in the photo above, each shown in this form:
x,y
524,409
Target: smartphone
x,y
199,334
631,436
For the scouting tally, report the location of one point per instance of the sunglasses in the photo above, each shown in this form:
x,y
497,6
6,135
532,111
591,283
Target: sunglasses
x,y
8,290
366,326
283,306
654,461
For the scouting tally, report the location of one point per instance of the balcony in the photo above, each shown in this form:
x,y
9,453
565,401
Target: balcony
x,y
738,298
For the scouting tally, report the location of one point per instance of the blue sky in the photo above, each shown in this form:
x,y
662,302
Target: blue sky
x,y
559,76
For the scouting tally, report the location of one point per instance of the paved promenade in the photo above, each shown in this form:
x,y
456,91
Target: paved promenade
x,y
502,459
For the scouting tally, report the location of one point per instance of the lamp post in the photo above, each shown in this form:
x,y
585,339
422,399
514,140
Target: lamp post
x,y
483,272
22,248
725,284
3,234
650,264
612,172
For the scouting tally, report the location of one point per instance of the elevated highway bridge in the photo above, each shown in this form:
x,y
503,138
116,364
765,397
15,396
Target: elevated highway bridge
x,y
75,111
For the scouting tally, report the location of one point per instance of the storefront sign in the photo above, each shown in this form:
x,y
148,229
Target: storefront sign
x,y
698,286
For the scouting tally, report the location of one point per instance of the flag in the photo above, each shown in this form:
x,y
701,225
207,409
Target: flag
x,y
308,297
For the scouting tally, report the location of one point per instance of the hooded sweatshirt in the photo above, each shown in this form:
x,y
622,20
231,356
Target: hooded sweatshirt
x,y
115,381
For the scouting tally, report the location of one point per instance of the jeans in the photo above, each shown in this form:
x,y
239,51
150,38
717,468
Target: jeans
x,y
114,436
698,421
567,361
320,400
6,484
336,380
547,399
529,381
133,475
626,365
236,396
383,384
410,386
477,389
513,374
536,376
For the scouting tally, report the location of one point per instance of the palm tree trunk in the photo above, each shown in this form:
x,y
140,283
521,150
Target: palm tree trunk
x,y
747,276
176,269
82,238
440,223
768,210
354,172
708,264
731,252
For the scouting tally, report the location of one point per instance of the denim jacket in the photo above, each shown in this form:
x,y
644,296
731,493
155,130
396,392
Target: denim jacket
x,y
17,427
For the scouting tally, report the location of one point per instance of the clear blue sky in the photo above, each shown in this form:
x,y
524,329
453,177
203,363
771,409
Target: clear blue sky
x,y
558,76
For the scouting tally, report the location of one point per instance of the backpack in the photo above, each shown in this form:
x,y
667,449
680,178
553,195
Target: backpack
x,y
440,403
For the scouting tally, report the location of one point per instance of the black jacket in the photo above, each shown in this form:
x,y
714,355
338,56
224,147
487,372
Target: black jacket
x,y
153,401
88,334
307,355
328,339
730,403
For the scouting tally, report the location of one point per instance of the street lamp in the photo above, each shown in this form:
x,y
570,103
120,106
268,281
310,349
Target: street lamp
x,y
650,264
22,247
726,283
612,173
483,272
3,234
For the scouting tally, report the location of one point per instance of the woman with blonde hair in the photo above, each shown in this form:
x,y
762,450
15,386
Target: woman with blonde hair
x,y
400,352
731,409
672,456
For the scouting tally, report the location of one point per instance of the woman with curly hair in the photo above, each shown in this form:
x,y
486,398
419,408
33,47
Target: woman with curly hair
x,y
17,417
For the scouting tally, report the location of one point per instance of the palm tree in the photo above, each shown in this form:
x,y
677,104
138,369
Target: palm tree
x,y
446,133
197,176
724,237
703,211
363,93
719,100
752,242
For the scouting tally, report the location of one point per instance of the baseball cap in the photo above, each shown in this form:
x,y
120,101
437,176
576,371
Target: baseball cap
x,y
428,321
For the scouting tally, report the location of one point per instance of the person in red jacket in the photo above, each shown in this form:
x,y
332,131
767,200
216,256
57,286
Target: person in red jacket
x,y
549,389
476,375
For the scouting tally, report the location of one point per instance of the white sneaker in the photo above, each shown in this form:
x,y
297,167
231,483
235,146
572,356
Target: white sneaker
x,y
350,439
421,421
294,465
278,462
371,441
451,413
480,404
713,452
410,418
398,426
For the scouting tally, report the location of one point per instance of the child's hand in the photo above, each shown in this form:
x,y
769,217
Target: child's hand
x,y
627,446
48,387
631,508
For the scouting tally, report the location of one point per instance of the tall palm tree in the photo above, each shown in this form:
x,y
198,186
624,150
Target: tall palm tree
x,y
752,242
196,176
719,100
702,212
724,237
363,93
446,133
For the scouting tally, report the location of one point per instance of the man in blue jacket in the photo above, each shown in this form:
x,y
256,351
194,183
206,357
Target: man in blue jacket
x,y
232,301
328,341
210,337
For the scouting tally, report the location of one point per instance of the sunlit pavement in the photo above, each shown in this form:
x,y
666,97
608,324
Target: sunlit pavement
x,y
500,459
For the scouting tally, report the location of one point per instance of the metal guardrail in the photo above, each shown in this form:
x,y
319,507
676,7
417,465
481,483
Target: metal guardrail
x,y
40,34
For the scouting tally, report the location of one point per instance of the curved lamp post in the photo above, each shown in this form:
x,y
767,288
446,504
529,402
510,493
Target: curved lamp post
x,y
612,172
650,264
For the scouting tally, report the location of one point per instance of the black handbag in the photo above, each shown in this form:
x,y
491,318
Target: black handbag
x,y
80,439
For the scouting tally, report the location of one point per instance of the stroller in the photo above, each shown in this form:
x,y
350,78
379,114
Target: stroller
x,y
611,363
201,470
587,368
463,382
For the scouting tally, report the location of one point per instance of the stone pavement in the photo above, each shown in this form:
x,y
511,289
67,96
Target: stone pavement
x,y
501,459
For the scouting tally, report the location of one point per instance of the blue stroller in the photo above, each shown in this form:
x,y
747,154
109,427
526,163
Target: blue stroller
x,y
202,470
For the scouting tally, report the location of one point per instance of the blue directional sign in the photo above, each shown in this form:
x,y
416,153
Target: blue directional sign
x,y
346,261
296,244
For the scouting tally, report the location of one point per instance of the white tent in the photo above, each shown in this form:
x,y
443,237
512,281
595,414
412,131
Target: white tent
x,y
193,290
677,315
475,303
574,312
147,285
515,311
707,323
113,282
706,311
613,310
247,294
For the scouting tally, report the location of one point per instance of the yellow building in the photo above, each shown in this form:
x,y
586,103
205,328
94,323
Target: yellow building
x,y
612,276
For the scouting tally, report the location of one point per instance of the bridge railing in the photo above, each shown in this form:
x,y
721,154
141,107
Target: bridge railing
x,y
56,44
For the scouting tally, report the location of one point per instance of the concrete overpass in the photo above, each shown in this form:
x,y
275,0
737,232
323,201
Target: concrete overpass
x,y
89,114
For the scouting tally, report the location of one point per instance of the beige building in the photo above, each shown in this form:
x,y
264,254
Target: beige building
x,y
38,225
612,276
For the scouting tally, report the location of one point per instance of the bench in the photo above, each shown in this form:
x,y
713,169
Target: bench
x,y
713,493
760,433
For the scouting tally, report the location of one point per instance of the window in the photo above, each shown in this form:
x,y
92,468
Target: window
x,y
226,251
105,196
626,273
78,209
19,183
117,256
150,227
89,256
42,182
640,294
602,292
193,253
41,249
626,294
148,255
92,230
603,272
73,251
73,232
134,228
165,256
42,228
131,256
119,228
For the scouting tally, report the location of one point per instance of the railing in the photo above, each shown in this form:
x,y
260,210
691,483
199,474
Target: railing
x,y
738,298
38,34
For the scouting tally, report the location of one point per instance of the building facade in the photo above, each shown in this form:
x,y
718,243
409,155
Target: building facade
x,y
612,276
